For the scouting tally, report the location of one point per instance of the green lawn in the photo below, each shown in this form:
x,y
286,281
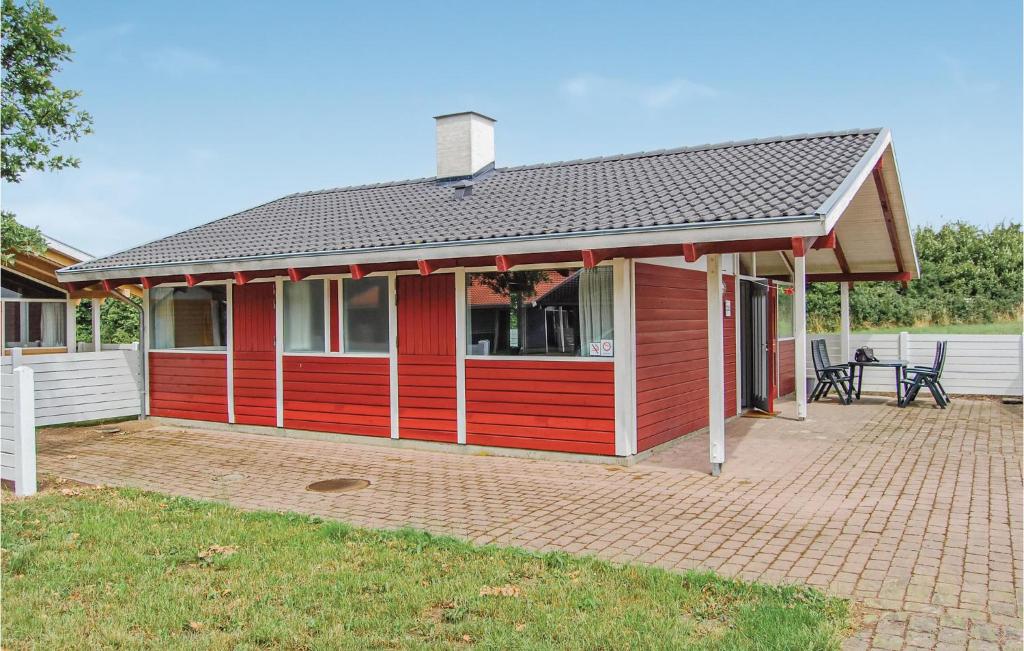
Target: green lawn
x,y
95,568
998,328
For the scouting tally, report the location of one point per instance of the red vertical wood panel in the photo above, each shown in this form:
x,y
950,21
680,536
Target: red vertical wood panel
x,y
426,358
187,385
254,354
335,319
787,366
541,405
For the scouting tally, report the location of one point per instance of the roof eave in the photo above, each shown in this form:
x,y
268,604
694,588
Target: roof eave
x,y
741,229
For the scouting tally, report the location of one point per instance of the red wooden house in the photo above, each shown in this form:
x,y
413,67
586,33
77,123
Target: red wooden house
x,y
598,307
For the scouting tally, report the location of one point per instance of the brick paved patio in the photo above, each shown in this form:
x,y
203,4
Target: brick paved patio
x,y
915,513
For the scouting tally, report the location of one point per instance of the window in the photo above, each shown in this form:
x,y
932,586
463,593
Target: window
x,y
561,312
366,315
34,315
784,312
304,317
192,318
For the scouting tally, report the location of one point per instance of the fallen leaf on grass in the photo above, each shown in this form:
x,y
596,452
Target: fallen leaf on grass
x,y
500,591
195,626
207,555
467,638
70,492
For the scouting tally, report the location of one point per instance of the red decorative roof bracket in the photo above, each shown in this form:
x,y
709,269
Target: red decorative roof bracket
x,y
295,275
426,267
192,280
242,277
690,253
799,247
358,271
592,258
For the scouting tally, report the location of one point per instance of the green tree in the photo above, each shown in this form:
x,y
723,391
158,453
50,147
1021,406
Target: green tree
x,y
15,239
119,323
968,275
36,116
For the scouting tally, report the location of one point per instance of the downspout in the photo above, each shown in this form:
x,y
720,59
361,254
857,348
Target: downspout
x,y
142,349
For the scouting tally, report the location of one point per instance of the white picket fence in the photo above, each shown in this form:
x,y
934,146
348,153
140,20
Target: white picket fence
x,y
75,387
975,364
18,431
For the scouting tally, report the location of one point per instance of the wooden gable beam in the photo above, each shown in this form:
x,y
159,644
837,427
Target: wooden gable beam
x,y
825,241
890,222
867,276
841,257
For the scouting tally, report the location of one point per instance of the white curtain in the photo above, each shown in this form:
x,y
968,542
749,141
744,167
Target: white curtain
x,y
597,314
52,326
304,316
163,317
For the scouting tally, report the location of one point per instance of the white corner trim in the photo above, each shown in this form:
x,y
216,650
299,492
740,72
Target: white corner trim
x,y
625,430
737,347
231,352
393,350
341,316
279,348
147,334
460,355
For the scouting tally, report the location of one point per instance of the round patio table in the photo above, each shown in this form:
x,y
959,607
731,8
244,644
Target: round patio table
x,y
899,365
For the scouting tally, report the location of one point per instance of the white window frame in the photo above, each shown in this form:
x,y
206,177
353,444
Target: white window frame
x,y
539,358
151,323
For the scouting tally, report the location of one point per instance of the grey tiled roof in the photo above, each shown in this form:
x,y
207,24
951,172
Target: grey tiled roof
x,y
748,180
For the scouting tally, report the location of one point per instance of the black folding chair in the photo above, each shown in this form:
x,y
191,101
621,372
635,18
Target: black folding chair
x,y
830,376
927,376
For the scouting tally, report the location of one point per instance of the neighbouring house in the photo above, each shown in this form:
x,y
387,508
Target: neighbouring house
x,y
38,314
598,307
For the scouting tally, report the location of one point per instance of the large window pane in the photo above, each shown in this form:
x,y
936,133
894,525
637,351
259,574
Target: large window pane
x,y
188,317
366,315
35,324
304,317
561,312
784,313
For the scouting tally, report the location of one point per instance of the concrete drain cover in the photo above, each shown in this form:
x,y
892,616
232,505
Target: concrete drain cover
x,y
337,485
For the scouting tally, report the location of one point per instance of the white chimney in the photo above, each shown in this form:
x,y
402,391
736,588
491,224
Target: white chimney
x,y
465,144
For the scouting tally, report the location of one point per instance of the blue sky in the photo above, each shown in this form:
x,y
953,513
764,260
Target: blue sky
x,y
206,108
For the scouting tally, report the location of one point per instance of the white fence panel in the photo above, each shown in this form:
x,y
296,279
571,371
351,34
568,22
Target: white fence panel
x,y
74,387
18,431
975,364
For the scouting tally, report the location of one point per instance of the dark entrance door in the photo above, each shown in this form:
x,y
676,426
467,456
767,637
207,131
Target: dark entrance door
x,y
754,333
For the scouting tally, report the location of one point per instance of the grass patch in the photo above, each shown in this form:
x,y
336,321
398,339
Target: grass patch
x,y
92,568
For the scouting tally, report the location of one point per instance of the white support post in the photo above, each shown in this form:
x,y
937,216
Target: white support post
x,y
716,365
279,348
844,322
97,345
625,368
393,349
800,333
737,330
904,345
71,328
460,355
24,432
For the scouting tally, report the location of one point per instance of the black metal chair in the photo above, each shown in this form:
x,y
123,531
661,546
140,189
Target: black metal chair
x,y
830,376
927,376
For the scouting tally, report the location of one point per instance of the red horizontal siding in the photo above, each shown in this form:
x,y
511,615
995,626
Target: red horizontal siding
x,y
787,366
672,353
541,405
426,398
344,395
187,385
255,388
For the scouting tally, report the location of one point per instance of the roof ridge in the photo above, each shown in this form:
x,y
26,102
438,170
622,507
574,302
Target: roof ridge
x,y
730,144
